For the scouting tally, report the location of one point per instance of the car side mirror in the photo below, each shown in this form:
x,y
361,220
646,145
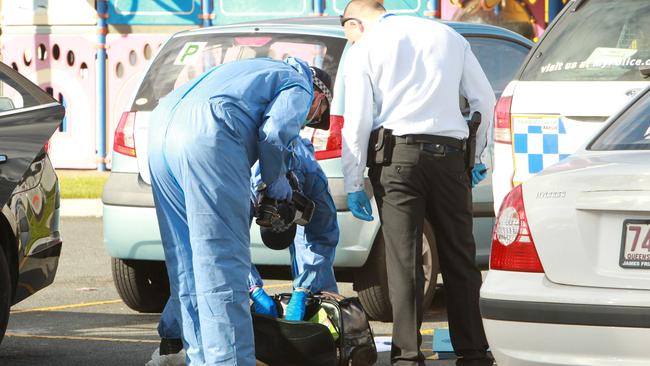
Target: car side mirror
x,y
645,72
6,104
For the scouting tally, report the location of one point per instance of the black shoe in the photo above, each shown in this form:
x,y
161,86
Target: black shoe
x,y
479,359
170,346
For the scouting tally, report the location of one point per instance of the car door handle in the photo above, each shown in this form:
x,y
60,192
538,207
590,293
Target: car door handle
x,y
3,159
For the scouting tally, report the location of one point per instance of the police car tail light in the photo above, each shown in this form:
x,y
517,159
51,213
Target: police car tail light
x,y
330,147
502,133
124,142
513,248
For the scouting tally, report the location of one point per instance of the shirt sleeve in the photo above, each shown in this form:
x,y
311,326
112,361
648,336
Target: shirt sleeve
x,y
476,88
358,121
284,117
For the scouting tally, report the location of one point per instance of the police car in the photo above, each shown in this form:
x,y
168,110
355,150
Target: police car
x,y
130,228
569,274
585,68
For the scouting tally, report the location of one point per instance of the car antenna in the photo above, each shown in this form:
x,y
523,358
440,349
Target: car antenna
x,y
645,72
577,5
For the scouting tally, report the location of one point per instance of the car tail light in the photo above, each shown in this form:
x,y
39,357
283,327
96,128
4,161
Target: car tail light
x,y
502,123
513,248
46,147
329,148
124,142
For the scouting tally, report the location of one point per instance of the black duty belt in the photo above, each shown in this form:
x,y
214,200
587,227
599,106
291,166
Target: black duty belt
x,y
455,144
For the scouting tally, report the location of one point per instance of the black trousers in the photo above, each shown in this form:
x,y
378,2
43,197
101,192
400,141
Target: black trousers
x,y
420,185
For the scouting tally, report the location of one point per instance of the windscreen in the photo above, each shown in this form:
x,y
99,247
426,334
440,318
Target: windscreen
x,y
186,57
631,131
603,40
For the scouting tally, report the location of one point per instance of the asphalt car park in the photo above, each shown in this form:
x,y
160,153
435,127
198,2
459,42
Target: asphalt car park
x,y
564,309
80,319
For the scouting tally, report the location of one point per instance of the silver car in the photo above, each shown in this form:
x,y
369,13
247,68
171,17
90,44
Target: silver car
x,y
130,228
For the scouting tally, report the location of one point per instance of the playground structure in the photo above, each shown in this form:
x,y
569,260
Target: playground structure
x,y
89,54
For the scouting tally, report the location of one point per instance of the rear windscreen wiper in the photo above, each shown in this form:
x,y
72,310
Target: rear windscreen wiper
x,y
578,4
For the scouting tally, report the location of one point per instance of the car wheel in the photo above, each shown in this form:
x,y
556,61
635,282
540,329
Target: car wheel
x,y
5,294
371,281
142,285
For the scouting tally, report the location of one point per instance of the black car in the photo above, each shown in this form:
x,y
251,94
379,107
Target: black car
x,y
29,191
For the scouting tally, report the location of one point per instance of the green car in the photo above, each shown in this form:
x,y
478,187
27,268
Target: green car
x,y
130,227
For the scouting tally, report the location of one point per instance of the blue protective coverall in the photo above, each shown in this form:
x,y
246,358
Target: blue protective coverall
x,y
314,246
203,139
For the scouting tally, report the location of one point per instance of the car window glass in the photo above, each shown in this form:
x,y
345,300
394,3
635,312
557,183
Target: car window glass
x,y
631,131
603,41
16,92
499,58
185,58
10,98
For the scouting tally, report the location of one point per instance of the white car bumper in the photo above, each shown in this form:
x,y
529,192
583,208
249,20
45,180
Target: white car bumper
x,y
531,321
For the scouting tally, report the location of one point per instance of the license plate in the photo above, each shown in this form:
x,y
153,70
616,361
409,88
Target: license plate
x,y
635,245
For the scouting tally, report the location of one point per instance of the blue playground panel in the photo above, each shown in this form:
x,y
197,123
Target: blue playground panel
x,y
235,11
405,7
159,12
188,12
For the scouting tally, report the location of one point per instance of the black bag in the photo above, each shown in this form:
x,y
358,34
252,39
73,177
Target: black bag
x,y
281,342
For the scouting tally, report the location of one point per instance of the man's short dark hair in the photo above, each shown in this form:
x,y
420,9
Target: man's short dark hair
x,y
368,4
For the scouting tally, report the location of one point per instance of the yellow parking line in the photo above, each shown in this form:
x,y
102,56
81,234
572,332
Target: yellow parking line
x,y
70,306
73,338
277,285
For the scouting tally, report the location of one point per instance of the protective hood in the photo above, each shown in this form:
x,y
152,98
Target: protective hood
x,y
322,82
319,79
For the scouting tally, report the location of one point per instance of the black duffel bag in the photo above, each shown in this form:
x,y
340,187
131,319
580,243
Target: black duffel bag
x,y
281,342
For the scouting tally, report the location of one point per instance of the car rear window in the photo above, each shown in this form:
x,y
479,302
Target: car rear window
x,y
186,57
499,58
603,40
631,131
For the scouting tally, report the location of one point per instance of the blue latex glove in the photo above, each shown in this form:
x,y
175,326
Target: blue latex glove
x,y
263,303
280,189
359,205
479,172
296,308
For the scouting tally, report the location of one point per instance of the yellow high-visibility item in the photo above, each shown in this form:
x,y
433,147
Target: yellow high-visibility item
x,y
321,318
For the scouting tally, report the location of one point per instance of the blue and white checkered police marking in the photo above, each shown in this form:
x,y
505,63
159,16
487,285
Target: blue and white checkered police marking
x,y
538,142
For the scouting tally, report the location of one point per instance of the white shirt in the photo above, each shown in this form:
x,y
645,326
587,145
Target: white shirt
x,y
406,75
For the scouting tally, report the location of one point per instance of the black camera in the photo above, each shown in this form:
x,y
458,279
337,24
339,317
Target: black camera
x,y
278,219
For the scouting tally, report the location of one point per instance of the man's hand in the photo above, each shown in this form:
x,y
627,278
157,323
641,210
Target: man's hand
x,y
479,172
296,308
359,205
263,303
280,189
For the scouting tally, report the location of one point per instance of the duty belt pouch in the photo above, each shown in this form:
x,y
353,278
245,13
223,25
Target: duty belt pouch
x,y
380,147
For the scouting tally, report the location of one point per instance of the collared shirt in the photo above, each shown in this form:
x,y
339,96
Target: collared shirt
x,y
407,75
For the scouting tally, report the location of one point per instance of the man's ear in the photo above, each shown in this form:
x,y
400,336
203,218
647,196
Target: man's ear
x,y
317,96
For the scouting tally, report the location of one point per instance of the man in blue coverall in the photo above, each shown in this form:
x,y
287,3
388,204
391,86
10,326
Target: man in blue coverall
x,y
314,245
312,253
203,139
